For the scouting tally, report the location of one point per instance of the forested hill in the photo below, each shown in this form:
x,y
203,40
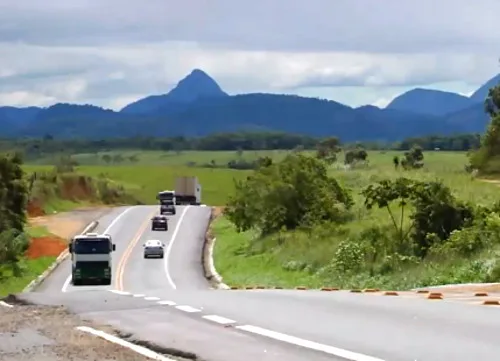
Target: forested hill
x,y
197,106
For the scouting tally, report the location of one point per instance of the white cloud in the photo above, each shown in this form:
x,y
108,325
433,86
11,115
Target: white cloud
x,y
23,98
382,102
111,52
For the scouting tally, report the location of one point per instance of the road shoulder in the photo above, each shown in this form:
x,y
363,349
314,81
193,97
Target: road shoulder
x,y
51,332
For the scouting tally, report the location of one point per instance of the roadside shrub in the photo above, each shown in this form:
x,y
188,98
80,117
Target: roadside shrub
x,y
349,256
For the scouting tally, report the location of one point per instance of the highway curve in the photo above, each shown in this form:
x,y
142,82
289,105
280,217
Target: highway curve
x,y
168,302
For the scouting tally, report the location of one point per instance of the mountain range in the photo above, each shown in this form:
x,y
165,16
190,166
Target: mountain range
x,y
197,106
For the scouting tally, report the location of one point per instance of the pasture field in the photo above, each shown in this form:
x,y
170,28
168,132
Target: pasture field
x,y
145,181
295,258
298,259
171,158
157,170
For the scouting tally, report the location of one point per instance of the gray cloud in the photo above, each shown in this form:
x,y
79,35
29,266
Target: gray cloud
x,y
112,51
292,25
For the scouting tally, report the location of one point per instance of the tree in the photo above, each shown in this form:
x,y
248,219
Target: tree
x,y
386,192
355,155
414,158
395,161
486,158
296,192
328,149
435,211
13,200
264,161
106,158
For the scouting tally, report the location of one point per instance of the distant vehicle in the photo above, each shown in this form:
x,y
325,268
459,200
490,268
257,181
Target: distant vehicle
x,y
187,191
159,223
154,247
167,202
91,258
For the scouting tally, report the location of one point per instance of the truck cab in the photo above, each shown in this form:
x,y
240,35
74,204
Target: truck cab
x,y
167,201
91,259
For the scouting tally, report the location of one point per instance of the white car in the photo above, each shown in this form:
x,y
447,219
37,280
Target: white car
x,y
154,247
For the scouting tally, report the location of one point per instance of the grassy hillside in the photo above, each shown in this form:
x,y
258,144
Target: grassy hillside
x,y
299,258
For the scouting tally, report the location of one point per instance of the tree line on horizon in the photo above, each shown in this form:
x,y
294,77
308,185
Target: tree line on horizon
x,y
35,147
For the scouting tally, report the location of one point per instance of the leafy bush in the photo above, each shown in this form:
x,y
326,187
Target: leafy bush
x,y
296,192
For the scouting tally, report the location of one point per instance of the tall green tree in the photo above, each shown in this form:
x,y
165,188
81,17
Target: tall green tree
x,y
487,158
13,199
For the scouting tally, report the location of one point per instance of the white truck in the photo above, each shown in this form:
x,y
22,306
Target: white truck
x,y
167,201
91,258
187,191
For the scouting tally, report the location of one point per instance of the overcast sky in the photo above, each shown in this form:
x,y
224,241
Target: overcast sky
x,y
112,52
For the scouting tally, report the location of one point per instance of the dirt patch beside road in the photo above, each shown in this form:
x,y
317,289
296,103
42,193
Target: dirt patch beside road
x,y
46,247
45,333
67,224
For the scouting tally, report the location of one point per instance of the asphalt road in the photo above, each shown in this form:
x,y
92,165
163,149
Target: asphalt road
x,y
168,301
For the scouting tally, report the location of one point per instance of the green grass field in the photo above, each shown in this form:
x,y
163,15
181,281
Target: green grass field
x,y
243,259
171,158
145,181
157,170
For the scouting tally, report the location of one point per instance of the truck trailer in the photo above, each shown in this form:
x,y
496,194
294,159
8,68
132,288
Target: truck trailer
x,y
187,191
91,258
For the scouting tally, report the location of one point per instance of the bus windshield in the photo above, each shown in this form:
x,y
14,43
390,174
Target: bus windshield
x,y
92,246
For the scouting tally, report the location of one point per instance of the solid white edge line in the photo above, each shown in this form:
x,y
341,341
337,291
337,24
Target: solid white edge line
x,y
152,298
168,303
5,304
138,349
187,309
345,354
219,319
68,280
169,248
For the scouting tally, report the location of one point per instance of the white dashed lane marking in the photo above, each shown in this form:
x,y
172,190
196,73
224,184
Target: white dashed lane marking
x,y
120,292
187,309
348,355
219,319
152,298
345,354
168,303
